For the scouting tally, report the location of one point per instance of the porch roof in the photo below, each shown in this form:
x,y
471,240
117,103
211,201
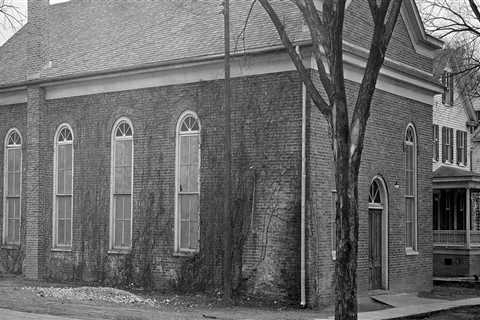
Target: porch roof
x,y
447,177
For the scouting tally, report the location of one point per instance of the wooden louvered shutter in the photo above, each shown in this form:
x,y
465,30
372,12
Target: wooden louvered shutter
x,y
444,140
450,88
451,145
465,148
437,143
444,84
458,137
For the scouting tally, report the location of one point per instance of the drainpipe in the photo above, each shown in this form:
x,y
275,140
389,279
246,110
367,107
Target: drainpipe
x,y
303,300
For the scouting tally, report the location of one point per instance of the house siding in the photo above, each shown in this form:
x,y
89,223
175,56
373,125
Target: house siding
x,y
454,117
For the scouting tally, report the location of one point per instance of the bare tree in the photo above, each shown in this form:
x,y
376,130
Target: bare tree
x,y
347,135
458,23
11,16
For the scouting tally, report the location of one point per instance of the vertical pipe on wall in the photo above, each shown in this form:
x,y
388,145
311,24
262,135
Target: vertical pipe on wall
x,y
303,193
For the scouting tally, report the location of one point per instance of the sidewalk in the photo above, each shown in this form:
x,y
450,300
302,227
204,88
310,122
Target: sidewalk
x,y
408,307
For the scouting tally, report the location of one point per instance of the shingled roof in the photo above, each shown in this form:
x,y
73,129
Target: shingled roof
x,y
100,35
95,36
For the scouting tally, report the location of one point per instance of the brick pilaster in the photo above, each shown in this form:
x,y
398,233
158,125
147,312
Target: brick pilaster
x,y
36,231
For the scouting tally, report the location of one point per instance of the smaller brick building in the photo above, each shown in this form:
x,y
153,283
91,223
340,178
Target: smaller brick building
x,y
113,155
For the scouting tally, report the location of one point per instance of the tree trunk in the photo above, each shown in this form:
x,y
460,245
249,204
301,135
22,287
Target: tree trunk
x,y
347,248
346,178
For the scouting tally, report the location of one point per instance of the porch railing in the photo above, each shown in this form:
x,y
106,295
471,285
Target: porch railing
x,y
450,237
475,237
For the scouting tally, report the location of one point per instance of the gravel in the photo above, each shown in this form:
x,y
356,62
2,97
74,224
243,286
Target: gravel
x,y
103,294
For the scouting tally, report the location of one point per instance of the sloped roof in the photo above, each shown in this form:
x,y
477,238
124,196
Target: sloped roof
x,y
97,36
451,172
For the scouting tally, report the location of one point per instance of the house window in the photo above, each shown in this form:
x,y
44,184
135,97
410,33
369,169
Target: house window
x,y
461,147
334,224
411,188
447,145
436,142
188,183
447,81
63,187
12,188
121,203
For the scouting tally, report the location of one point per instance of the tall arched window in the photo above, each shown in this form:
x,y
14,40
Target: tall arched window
x,y
63,188
12,188
411,188
187,198
121,185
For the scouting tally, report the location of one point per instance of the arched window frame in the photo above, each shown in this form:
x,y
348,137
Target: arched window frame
x,y
114,140
66,245
181,119
6,196
411,244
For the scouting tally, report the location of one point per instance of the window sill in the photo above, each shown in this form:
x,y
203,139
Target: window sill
x,y
411,252
119,251
184,253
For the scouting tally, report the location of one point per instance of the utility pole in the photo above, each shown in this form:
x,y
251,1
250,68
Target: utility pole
x,y
227,214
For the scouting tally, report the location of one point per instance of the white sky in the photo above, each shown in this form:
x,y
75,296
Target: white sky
x,y
6,30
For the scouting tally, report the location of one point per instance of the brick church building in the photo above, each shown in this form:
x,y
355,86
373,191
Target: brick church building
x,y
113,150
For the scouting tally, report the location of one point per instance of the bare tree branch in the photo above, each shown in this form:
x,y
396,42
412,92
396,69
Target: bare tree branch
x,y
324,108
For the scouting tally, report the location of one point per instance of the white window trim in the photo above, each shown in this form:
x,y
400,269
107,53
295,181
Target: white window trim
x,y
55,245
113,248
413,250
177,234
5,187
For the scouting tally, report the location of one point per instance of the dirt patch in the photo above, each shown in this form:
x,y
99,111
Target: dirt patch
x,y
91,294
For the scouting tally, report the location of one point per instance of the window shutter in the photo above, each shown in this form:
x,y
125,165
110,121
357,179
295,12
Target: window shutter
x,y
450,88
437,142
465,148
444,94
444,140
458,139
451,145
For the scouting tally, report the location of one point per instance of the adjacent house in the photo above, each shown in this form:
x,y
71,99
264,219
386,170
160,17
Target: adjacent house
x,y
113,150
456,181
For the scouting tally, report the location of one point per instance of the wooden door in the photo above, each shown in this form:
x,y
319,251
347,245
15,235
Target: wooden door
x,y
375,248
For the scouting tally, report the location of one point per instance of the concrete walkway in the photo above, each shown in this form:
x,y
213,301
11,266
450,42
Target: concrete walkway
x,y
6,314
411,305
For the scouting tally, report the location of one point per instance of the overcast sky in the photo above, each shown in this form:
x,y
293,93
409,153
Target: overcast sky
x,y
6,31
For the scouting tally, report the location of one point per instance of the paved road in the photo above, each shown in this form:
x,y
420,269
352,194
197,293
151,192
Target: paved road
x,y
15,315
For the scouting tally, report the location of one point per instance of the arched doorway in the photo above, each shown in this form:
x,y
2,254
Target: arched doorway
x,y
378,234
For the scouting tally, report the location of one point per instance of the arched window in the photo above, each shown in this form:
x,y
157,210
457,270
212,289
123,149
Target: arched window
x,y
12,188
411,188
187,215
63,188
121,185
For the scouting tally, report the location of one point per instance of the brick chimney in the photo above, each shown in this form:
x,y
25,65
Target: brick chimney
x,y
37,47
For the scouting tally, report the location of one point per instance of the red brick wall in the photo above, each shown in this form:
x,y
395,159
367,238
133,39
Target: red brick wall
x,y
383,156
359,29
266,139
13,116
